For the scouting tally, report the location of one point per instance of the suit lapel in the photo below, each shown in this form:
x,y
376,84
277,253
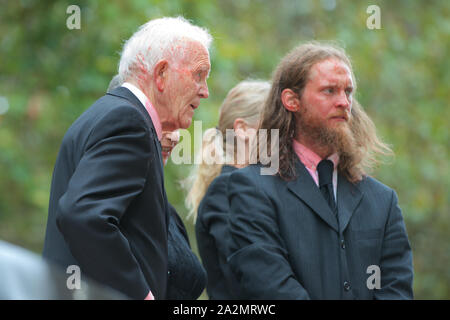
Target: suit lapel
x,y
306,189
124,93
348,198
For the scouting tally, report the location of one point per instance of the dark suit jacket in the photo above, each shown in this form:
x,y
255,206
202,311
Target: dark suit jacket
x,y
211,229
288,244
107,211
187,277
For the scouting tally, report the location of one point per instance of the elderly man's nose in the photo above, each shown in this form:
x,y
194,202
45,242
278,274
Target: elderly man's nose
x,y
204,92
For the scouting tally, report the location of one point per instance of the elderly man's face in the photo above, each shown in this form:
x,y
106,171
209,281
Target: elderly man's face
x,y
327,96
186,86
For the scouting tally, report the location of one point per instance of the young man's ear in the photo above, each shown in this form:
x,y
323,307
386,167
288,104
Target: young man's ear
x,y
160,74
290,100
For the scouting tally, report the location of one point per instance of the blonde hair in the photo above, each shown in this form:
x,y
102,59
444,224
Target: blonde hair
x,y
370,149
244,101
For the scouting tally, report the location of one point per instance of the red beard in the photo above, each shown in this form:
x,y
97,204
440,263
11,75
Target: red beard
x,y
317,132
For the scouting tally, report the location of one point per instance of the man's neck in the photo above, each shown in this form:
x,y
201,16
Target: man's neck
x,y
322,151
156,103
144,90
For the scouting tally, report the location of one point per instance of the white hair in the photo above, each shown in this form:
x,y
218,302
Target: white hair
x,y
116,81
153,41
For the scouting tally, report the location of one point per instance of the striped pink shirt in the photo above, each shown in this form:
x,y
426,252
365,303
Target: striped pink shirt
x,y
310,159
148,106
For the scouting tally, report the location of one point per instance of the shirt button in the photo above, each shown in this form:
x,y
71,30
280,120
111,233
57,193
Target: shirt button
x,y
347,286
342,244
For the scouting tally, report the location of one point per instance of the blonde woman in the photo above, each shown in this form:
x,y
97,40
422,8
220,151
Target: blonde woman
x,y
207,197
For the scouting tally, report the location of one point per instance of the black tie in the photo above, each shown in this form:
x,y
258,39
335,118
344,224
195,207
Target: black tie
x,y
325,170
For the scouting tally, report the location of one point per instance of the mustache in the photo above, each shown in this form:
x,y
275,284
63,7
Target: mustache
x,y
344,115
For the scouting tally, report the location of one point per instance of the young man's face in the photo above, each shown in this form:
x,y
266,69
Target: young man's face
x,y
186,86
327,96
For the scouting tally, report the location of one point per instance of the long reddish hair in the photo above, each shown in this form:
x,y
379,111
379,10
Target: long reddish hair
x,y
293,72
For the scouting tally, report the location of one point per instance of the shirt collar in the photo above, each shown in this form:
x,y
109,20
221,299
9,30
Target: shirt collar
x,y
148,106
309,158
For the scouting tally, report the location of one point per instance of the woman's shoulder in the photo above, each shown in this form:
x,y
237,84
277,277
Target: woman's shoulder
x,y
219,184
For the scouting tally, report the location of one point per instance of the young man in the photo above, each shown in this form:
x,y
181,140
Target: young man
x,y
321,228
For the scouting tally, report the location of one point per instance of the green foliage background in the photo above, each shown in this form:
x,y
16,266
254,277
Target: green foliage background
x,y
49,75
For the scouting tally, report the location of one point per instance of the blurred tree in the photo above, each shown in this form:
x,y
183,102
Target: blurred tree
x,y
49,75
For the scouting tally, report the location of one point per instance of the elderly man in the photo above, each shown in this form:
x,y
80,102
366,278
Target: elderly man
x,y
321,228
108,207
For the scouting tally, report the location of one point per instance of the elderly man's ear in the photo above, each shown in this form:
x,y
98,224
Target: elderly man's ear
x,y
160,74
290,100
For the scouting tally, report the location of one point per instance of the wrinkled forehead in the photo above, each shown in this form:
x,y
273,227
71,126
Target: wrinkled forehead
x,y
331,69
186,51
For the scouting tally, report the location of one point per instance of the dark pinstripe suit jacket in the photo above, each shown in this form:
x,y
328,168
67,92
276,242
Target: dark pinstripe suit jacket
x,y
287,244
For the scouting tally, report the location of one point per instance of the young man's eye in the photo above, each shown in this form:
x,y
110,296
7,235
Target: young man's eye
x,y
329,90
